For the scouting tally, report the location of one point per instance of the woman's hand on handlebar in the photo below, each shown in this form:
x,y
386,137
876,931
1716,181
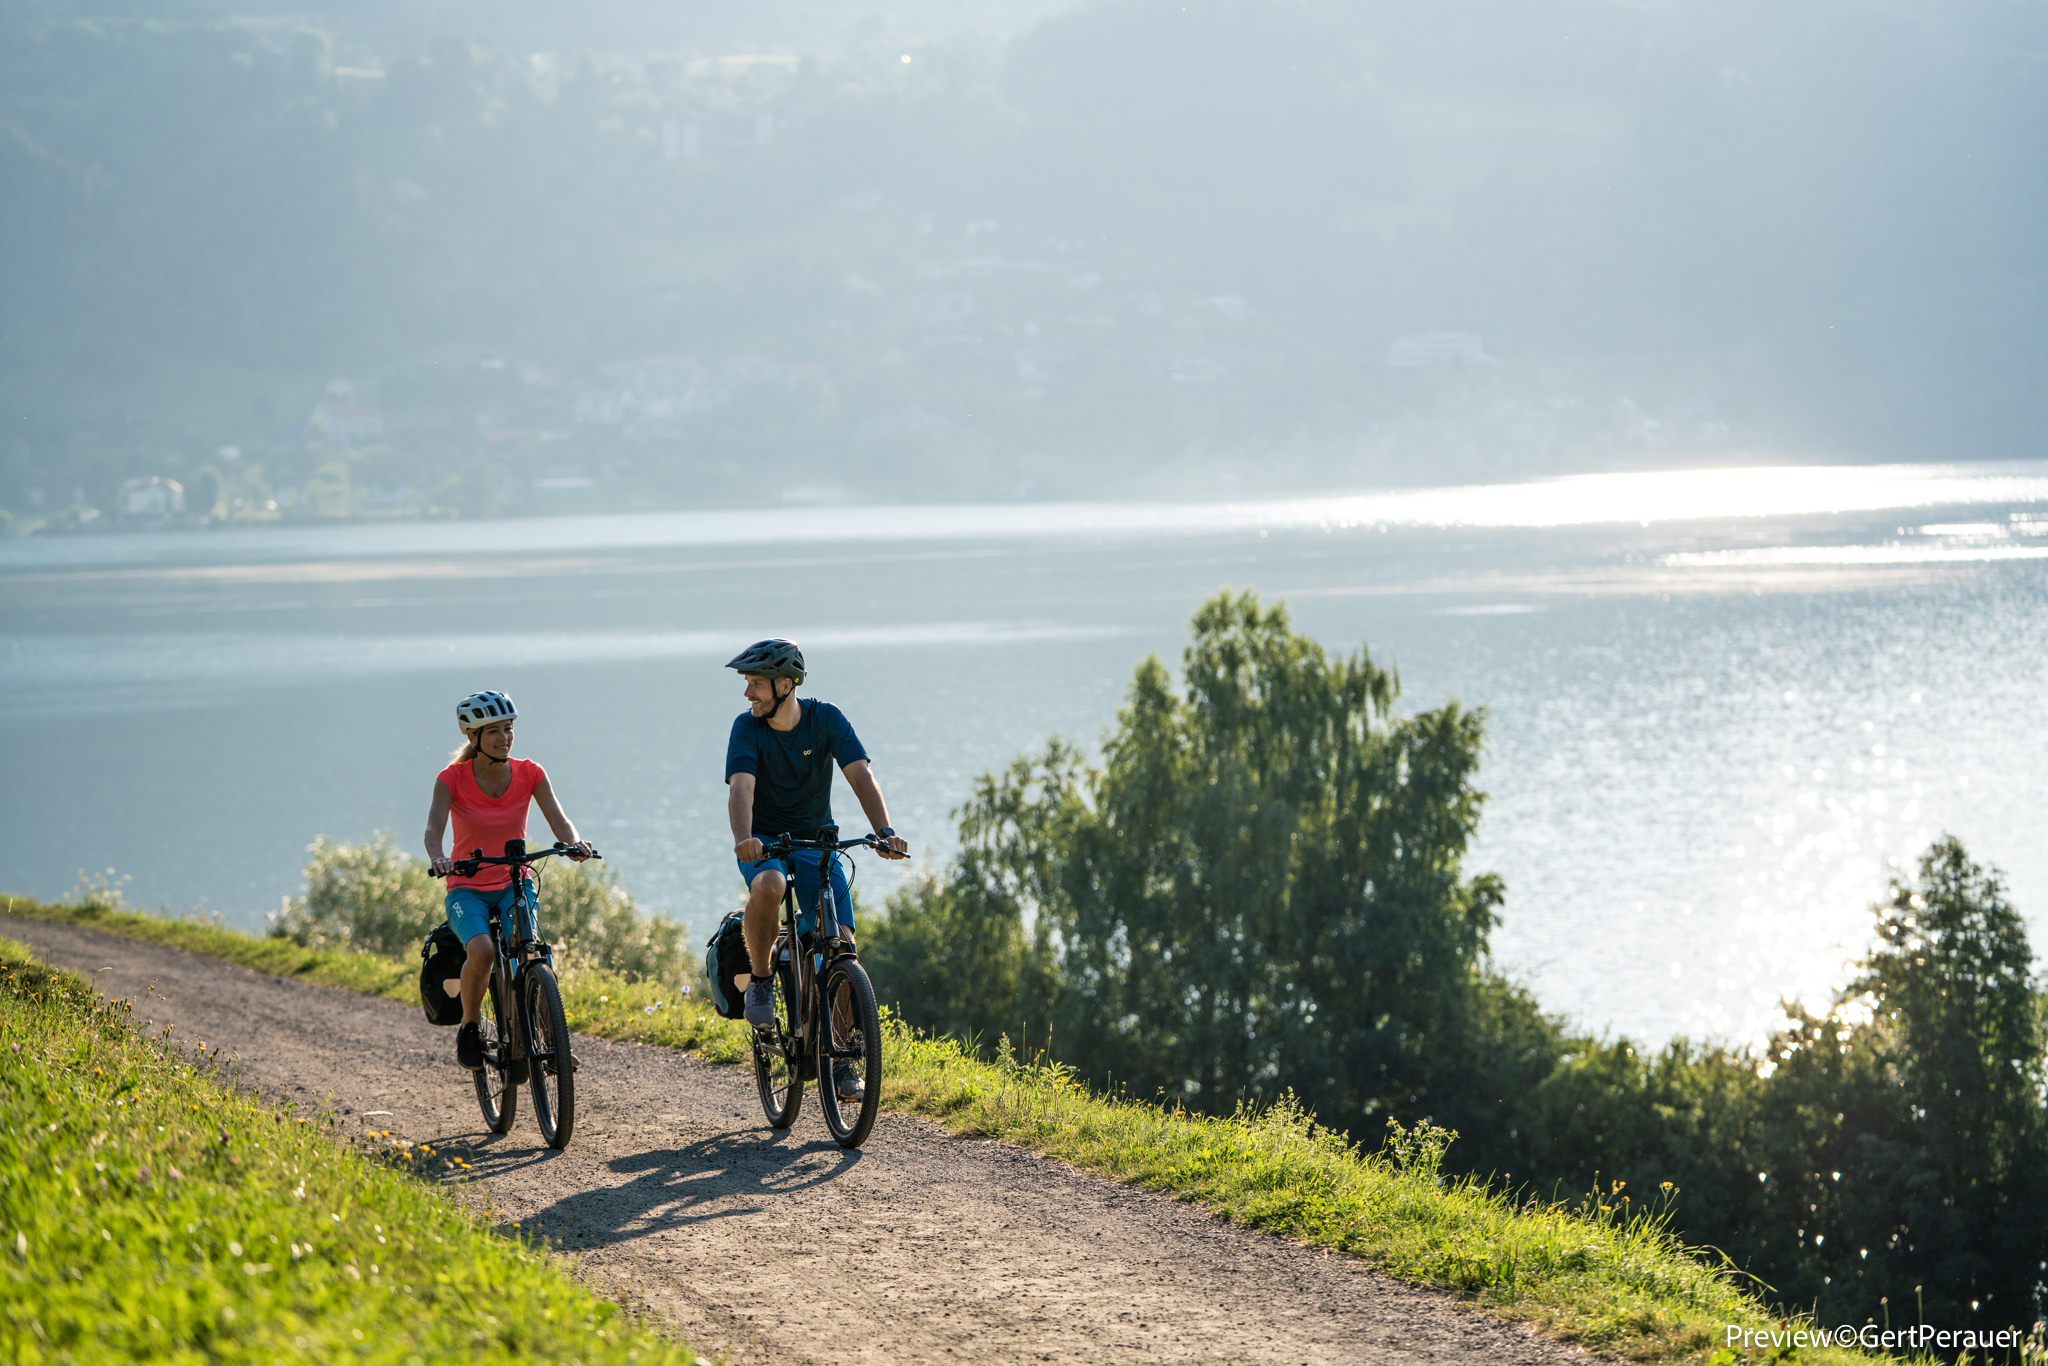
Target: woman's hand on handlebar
x,y
441,866
579,851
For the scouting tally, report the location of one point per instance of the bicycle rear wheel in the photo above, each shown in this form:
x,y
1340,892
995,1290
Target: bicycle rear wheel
x,y
777,1072
553,1066
497,1095
855,1027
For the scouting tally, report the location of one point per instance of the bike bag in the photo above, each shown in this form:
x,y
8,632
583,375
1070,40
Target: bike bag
x,y
725,961
441,960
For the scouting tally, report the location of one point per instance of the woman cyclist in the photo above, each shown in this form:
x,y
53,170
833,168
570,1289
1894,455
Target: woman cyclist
x,y
486,791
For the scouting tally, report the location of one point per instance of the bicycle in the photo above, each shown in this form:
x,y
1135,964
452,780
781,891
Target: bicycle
x,y
529,1044
824,968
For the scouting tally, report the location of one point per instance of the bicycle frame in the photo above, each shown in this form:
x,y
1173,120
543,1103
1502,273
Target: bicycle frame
x,y
508,960
826,944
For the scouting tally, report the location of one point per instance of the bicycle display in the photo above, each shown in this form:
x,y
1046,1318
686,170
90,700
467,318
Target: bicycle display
x,y
526,1034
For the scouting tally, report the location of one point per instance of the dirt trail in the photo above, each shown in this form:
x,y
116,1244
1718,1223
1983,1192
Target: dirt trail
x,y
922,1247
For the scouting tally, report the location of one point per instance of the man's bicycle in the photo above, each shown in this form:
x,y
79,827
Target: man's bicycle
x,y
820,974
526,1035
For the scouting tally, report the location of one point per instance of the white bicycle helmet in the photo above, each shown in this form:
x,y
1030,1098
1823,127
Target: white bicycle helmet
x,y
480,709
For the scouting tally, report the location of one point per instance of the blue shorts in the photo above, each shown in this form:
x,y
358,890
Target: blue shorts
x,y
470,908
806,879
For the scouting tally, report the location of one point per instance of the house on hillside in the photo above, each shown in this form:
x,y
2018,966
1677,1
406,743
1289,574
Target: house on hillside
x,y
152,496
346,415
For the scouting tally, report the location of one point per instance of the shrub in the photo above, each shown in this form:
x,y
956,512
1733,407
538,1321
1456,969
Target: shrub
x,y
373,898
368,897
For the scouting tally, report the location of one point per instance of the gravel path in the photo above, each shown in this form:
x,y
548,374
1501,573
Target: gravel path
x,y
922,1247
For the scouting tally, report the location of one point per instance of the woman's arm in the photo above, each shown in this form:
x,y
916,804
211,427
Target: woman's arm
x,y
559,822
437,827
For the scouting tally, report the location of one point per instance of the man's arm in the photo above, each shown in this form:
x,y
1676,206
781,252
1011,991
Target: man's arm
x,y
739,810
860,776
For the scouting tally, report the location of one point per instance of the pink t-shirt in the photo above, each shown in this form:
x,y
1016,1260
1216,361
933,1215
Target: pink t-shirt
x,y
481,822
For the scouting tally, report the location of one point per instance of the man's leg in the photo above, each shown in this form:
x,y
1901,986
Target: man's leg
x,y
764,913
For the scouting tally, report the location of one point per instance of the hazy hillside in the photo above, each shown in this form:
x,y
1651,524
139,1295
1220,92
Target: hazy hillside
x,y
665,255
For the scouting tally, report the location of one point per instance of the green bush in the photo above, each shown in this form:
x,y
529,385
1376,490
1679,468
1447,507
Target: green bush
x,y
368,897
376,899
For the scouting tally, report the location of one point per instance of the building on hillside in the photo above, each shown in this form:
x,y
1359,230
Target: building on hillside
x,y
152,496
346,415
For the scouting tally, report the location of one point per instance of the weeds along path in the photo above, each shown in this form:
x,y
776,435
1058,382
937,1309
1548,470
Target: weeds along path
x,y
678,1199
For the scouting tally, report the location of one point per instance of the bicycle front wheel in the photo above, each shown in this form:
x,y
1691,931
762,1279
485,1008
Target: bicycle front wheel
x,y
778,1075
497,1095
855,1027
553,1066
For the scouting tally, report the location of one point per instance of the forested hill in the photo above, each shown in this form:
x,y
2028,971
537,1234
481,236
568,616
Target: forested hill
x,y
1014,256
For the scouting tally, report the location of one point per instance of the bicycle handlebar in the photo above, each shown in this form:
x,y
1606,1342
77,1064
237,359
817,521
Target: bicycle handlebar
x,y
783,844
467,867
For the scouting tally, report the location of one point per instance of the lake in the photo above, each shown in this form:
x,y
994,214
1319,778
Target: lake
x,y
1723,706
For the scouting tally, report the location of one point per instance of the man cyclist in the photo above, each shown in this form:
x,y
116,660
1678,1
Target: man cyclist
x,y
778,777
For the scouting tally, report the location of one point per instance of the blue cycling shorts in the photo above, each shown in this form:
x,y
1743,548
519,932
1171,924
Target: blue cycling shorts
x,y
469,912
806,880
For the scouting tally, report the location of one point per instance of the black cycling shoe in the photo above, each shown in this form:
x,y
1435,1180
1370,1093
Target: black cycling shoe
x,y
469,1047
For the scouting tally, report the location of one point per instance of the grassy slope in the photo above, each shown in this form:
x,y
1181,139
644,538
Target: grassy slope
x,y
148,1212
1612,1281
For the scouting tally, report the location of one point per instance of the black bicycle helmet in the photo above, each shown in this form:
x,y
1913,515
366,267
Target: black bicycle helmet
x,y
770,659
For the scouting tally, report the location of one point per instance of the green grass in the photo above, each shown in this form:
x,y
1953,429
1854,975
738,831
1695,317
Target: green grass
x,y
362,972
1602,1271
150,1213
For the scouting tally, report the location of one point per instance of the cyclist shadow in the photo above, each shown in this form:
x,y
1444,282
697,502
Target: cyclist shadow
x,y
717,1178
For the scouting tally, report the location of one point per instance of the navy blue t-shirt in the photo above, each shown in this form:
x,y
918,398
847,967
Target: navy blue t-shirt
x,y
792,768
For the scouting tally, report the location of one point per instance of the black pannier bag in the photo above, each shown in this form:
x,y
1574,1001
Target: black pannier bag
x,y
725,958
441,960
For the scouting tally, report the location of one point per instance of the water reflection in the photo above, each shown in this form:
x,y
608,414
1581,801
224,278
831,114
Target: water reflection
x,y
1710,738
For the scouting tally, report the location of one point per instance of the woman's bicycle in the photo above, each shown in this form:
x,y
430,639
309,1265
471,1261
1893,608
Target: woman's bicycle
x,y
526,1035
822,970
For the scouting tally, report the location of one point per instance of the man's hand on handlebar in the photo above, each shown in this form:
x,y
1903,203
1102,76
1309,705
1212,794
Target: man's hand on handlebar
x,y
749,849
894,846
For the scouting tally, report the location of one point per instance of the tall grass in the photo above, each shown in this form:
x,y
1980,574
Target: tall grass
x,y
150,1213
1602,1269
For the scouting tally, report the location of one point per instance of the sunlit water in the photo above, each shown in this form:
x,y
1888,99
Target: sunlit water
x,y
1723,706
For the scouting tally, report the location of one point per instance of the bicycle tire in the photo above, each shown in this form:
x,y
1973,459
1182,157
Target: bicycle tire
x,y
865,1035
552,1076
778,1075
496,1094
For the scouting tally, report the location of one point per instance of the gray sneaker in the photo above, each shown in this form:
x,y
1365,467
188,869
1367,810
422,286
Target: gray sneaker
x,y
761,1003
847,1081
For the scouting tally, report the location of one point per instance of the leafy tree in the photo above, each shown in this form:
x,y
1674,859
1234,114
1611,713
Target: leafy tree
x,y
1886,1158
1259,890
972,954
